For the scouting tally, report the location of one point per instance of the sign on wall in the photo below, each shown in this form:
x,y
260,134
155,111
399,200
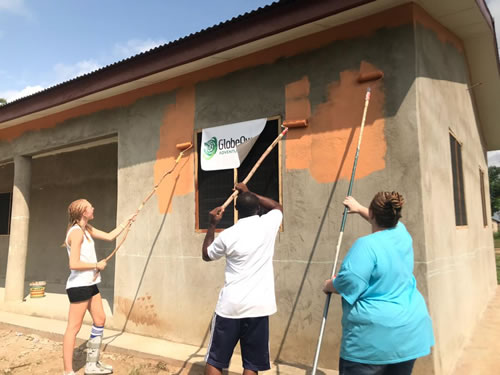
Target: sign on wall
x,y
225,147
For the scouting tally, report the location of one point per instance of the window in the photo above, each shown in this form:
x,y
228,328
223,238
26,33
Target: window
x,y
5,211
483,197
214,187
458,182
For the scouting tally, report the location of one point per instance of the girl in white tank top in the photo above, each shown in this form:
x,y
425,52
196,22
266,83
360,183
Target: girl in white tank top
x,y
82,284
87,254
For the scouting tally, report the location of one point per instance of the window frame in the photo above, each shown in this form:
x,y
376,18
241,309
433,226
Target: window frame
x,y
458,167
235,176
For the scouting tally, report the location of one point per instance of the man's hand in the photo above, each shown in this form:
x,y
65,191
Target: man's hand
x,y
215,215
241,187
328,286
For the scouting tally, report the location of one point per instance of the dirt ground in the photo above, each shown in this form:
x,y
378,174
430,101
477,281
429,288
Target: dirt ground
x,y
29,353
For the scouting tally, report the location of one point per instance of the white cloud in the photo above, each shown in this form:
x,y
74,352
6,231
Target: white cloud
x,y
66,72
135,46
494,158
11,95
15,6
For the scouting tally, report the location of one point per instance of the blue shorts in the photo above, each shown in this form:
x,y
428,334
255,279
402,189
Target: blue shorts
x,y
253,335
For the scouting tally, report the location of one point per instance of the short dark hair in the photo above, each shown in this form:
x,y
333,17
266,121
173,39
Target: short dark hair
x,y
386,208
247,204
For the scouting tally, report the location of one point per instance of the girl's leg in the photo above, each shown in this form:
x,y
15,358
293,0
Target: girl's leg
x,y
97,310
75,320
93,365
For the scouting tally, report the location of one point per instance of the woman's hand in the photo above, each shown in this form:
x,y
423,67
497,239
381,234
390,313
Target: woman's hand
x,y
328,286
353,205
101,265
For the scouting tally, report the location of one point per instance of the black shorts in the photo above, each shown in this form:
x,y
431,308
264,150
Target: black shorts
x,y
82,293
354,368
253,334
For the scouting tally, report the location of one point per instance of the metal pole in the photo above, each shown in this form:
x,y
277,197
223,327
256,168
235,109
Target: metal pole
x,y
339,242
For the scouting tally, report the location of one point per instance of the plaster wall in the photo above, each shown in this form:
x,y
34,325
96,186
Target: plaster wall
x,y
459,260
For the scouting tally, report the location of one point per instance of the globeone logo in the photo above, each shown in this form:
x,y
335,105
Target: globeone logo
x,y
224,146
210,148
228,146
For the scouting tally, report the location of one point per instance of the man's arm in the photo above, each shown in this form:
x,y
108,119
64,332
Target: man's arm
x,y
267,203
214,217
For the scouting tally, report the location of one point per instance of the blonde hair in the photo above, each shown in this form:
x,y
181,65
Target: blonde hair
x,y
75,214
386,208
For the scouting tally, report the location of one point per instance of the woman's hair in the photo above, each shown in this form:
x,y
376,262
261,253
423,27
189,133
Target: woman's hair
x,y
386,208
75,213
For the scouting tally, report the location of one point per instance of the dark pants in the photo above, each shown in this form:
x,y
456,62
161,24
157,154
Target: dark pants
x,y
355,368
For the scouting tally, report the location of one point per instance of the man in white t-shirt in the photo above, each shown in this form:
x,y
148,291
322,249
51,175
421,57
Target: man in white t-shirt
x,y
247,298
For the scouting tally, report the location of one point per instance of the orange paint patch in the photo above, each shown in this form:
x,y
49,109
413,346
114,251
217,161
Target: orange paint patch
x,y
138,312
177,127
328,146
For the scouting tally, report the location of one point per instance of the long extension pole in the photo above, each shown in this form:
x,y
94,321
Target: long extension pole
x,y
344,218
184,147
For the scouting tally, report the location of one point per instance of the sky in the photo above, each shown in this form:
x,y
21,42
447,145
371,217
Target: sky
x,y
43,43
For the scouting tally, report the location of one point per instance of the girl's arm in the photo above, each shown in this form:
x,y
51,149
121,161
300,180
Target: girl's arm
x,y
75,241
110,236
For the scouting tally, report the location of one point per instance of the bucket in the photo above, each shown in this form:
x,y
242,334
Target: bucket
x,y
37,289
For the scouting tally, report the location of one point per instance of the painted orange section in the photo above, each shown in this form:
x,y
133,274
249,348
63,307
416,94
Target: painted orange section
x,y
177,127
328,146
365,27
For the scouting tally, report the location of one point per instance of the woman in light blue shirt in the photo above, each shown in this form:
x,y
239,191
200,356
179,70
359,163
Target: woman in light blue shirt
x,y
385,322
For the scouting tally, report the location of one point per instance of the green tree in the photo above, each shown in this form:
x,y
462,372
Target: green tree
x,y
3,101
494,175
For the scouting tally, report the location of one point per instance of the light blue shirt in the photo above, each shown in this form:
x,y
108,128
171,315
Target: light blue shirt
x,y
385,319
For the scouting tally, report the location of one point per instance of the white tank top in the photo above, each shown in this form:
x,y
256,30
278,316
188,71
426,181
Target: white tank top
x,y
87,255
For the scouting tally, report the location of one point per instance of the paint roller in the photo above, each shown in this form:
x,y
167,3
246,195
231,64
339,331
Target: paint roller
x,y
370,76
286,124
182,147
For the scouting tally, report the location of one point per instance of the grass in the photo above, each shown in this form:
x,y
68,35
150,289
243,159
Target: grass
x,y
498,268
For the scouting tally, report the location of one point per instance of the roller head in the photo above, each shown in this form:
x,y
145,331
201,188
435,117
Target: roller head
x,y
295,123
370,76
183,146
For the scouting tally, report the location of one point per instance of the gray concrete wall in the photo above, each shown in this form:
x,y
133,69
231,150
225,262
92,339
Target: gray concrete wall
x,y
459,261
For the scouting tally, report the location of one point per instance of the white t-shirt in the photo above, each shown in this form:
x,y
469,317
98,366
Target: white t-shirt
x,y
248,245
87,255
